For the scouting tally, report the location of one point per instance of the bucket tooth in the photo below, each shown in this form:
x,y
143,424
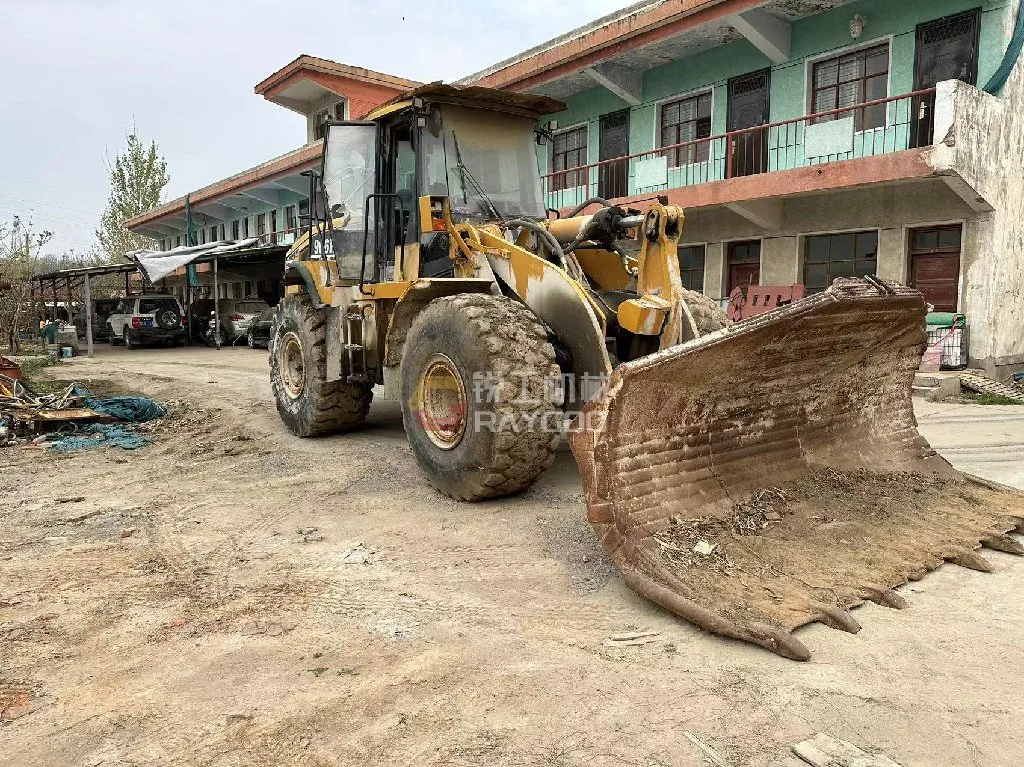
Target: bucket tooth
x,y
972,560
885,598
1003,543
836,618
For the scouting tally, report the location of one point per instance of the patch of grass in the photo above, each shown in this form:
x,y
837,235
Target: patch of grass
x,y
32,368
977,398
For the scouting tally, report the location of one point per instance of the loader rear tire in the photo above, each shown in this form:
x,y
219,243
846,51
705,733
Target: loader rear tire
x,y
481,396
307,402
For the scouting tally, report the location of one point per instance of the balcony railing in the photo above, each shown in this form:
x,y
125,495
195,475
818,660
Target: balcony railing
x,y
865,130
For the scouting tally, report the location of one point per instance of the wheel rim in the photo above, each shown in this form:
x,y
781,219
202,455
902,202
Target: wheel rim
x,y
442,402
292,365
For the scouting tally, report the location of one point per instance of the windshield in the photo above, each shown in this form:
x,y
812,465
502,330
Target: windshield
x,y
486,162
250,307
150,305
349,170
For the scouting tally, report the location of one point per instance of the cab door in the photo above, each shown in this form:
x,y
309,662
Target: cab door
x,y
349,182
397,211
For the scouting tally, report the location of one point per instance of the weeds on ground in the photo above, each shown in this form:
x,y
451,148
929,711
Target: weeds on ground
x,y
976,398
32,368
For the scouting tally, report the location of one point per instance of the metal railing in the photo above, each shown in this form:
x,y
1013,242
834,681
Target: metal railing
x,y
863,130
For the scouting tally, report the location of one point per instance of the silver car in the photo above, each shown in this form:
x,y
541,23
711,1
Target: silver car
x,y
236,315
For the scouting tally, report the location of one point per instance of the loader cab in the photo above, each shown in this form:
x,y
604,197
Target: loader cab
x,y
381,177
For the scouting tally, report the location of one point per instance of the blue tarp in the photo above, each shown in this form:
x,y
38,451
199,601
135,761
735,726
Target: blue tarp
x,y
131,409
96,435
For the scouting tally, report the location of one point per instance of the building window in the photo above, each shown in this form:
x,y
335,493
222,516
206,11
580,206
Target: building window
x,y
177,241
273,227
682,121
289,218
245,227
213,233
691,267
828,256
234,230
261,224
202,236
222,237
568,151
744,265
323,116
851,79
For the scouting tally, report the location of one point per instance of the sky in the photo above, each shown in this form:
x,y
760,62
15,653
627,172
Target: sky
x,y
79,74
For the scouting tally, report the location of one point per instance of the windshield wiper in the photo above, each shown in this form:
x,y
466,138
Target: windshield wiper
x,y
466,173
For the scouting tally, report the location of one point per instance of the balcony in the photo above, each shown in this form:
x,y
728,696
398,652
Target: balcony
x,y
865,130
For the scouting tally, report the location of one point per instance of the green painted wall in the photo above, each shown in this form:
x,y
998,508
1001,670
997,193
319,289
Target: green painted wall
x,y
812,37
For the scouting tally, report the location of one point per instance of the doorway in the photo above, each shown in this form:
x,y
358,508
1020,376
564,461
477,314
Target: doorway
x,y
744,264
946,49
748,108
613,143
935,265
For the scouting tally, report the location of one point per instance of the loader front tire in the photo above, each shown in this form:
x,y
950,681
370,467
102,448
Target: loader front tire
x,y
481,396
307,402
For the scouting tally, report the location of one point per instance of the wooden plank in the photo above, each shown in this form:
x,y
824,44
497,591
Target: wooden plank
x,y
984,385
709,753
825,751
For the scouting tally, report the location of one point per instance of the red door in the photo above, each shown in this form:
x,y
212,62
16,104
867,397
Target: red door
x,y
744,265
935,265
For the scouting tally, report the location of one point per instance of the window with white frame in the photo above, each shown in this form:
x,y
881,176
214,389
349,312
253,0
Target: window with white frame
x,y
851,79
682,121
568,151
323,116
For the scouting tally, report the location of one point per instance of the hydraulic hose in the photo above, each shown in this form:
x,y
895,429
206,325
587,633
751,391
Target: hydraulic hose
x,y
1010,57
587,203
544,234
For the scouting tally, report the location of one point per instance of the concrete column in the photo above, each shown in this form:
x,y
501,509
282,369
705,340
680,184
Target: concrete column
x,y
88,314
714,270
780,261
892,255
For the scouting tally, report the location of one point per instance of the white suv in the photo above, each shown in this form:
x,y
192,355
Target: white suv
x,y
149,318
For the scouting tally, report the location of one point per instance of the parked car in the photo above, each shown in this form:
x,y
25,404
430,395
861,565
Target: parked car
x,y
147,319
235,315
261,329
102,308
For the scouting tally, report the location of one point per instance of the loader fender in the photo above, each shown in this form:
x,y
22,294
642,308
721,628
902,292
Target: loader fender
x,y
297,273
565,308
771,475
414,300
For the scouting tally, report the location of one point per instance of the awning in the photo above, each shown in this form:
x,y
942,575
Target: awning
x,y
157,264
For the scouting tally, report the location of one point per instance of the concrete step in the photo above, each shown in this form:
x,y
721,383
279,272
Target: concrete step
x,y
926,379
923,391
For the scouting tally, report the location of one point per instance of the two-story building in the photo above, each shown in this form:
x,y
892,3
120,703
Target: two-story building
x,y
806,139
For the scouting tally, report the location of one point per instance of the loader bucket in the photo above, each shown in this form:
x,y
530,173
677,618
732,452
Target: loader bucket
x,y
770,475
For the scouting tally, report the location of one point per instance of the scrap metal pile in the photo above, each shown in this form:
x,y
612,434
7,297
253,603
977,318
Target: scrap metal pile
x,y
71,419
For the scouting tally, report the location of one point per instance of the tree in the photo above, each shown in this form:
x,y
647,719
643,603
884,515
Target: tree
x,y
20,260
137,181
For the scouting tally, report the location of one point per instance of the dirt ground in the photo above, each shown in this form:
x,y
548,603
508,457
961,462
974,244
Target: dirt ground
x,y
234,595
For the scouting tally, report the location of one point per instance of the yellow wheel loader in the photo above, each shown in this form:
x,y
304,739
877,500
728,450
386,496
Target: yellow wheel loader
x,y
750,478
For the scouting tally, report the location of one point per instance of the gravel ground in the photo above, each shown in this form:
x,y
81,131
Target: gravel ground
x,y
233,595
